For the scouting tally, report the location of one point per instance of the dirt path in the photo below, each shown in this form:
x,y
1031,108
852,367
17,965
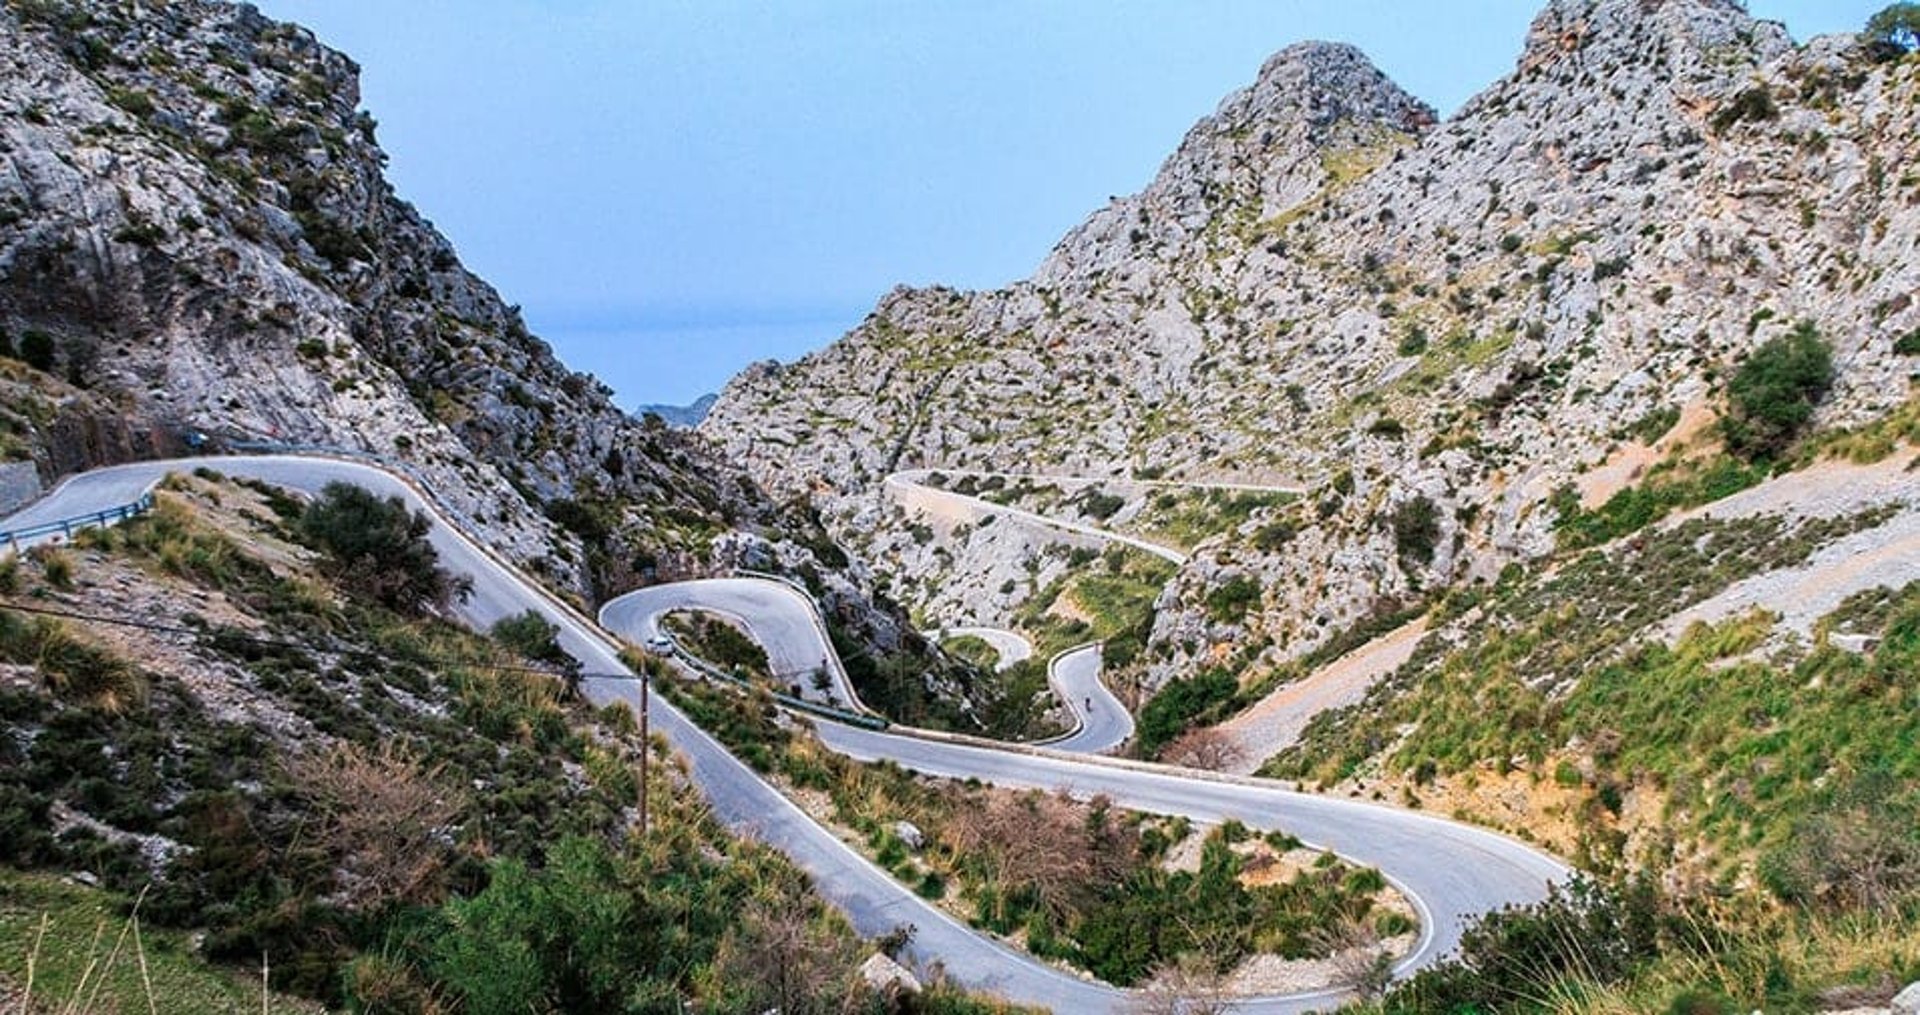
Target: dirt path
x,y
1886,555
1275,722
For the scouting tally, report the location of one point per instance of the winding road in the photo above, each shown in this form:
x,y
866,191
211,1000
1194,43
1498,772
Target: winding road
x,y
781,617
1449,871
1011,646
1101,721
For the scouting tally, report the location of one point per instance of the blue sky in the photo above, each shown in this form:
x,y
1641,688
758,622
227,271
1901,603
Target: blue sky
x,y
672,190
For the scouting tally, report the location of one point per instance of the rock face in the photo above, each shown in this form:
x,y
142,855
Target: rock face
x,y
196,233
1433,321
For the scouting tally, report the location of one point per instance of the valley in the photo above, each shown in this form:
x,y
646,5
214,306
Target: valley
x,y
1392,563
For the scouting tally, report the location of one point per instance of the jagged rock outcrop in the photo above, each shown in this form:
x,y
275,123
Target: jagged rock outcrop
x,y
196,234
1447,321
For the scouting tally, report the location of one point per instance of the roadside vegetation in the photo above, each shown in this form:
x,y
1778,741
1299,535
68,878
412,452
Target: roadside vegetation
x,y
1081,882
973,650
719,641
1748,812
391,812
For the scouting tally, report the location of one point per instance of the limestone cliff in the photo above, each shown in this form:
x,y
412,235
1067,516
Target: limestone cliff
x,y
1325,285
196,234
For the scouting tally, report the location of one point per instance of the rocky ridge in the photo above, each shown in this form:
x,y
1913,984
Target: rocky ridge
x,y
197,235
1464,315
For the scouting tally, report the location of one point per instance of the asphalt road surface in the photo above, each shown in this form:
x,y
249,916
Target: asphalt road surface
x,y
1103,722
1451,872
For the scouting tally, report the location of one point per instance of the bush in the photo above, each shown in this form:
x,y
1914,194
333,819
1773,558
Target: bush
x,y
1100,505
532,637
1753,105
1414,342
1174,708
379,549
74,670
1774,391
1513,958
1416,531
1908,344
1230,602
1274,537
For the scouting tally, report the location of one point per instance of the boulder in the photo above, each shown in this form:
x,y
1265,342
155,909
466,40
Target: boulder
x,y
888,977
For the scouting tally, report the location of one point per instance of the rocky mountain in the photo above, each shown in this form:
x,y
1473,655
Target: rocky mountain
x,y
688,415
196,235
1432,326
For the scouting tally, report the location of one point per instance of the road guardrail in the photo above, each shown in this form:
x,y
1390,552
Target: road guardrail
x,y
16,539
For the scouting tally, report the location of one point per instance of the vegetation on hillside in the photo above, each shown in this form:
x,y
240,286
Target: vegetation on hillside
x,y
1079,882
398,814
1774,391
1750,813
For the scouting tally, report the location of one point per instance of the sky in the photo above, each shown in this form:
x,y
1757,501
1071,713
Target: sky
x,y
673,189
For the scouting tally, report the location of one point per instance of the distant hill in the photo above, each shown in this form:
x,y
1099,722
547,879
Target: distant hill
x,y
685,416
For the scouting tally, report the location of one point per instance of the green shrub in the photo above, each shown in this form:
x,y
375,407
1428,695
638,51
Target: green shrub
x,y
1512,959
1099,505
379,549
1229,602
1637,507
1908,344
1416,530
1773,392
1414,342
56,565
532,637
1753,105
73,670
1388,427
1655,424
1274,537
1174,708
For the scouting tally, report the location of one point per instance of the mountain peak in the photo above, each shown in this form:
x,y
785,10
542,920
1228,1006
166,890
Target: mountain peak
x,y
1626,28
1266,148
1325,83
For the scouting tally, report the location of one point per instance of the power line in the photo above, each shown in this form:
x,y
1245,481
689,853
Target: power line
x,y
231,634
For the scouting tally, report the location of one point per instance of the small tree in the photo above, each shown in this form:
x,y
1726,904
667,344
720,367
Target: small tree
x,y
1775,390
1894,31
532,637
379,549
1416,531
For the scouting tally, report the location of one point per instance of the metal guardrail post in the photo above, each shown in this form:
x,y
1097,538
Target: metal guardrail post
x,y
66,527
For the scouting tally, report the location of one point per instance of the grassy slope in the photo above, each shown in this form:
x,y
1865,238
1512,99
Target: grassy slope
x,y
74,953
145,749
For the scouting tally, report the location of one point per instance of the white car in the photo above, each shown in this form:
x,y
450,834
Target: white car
x,y
660,645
